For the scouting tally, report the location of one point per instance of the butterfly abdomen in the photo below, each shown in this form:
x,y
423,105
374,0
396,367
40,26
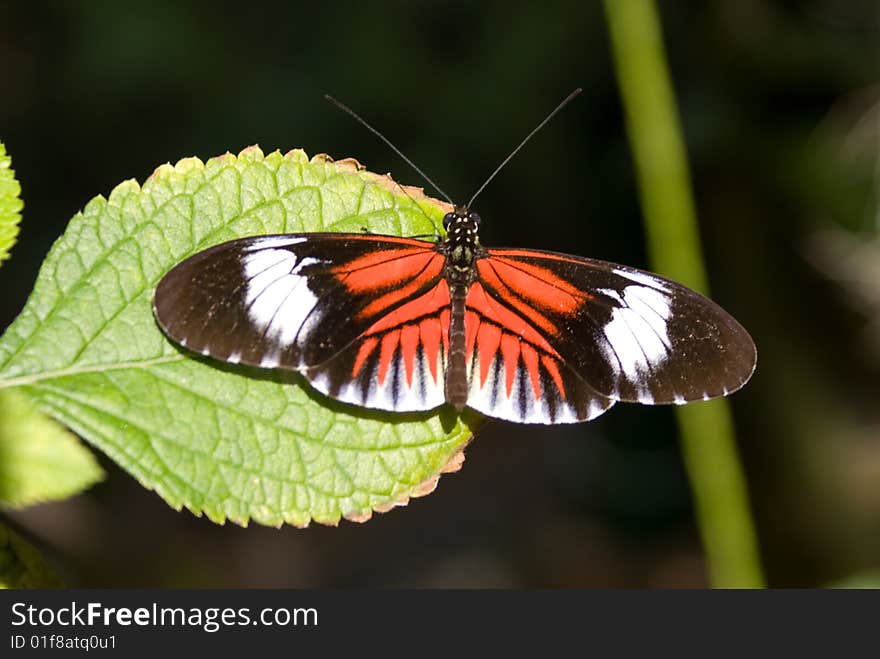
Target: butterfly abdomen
x,y
456,384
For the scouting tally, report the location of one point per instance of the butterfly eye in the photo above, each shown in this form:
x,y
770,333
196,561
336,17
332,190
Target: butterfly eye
x,y
473,217
448,219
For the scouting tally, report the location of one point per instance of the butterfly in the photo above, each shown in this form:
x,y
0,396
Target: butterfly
x,y
407,325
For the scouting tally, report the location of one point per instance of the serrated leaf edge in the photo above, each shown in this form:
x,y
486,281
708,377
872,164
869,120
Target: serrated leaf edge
x,y
17,202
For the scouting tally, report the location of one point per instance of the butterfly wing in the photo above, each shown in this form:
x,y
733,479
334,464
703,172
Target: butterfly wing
x,y
553,338
363,317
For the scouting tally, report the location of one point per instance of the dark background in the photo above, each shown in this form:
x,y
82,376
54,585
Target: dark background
x,y
780,104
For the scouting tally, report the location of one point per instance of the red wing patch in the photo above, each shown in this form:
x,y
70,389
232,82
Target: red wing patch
x,y
540,286
399,359
388,268
515,372
414,329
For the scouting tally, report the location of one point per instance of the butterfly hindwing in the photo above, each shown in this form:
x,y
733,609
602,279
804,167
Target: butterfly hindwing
x,y
577,334
515,371
398,362
361,316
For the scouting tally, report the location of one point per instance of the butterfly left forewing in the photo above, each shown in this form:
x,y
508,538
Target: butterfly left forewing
x,y
358,315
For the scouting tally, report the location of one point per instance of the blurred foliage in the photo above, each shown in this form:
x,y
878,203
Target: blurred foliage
x,y
39,459
772,97
21,566
10,204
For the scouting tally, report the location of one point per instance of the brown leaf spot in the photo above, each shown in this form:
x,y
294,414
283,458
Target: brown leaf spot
x,y
360,518
455,462
426,487
388,505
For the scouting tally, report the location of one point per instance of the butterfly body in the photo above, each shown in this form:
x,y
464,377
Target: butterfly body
x,y
407,325
461,249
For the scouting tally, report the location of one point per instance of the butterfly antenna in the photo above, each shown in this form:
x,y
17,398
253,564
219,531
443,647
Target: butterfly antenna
x,y
375,132
565,102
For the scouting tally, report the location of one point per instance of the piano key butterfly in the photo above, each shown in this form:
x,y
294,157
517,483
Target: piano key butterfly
x,y
406,325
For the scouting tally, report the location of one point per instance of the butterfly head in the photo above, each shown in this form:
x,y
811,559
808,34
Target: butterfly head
x,y
462,225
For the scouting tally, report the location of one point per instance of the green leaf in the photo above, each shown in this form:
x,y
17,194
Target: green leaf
x,y
22,566
10,204
233,443
39,460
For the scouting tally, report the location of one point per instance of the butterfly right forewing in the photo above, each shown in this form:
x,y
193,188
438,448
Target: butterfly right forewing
x,y
554,338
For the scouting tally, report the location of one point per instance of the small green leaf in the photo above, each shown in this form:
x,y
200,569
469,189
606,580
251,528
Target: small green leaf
x,y
233,443
39,460
22,566
10,204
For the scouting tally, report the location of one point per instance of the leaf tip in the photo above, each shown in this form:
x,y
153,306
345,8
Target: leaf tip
x,y
11,204
455,462
188,164
426,486
389,505
223,159
359,517
350,164
297,155
298,522
252,152
162,170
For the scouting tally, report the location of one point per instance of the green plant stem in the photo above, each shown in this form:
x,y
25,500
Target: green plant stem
x,y
707,434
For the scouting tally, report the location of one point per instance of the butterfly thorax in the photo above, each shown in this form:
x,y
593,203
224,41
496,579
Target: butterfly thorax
x,y
462,249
